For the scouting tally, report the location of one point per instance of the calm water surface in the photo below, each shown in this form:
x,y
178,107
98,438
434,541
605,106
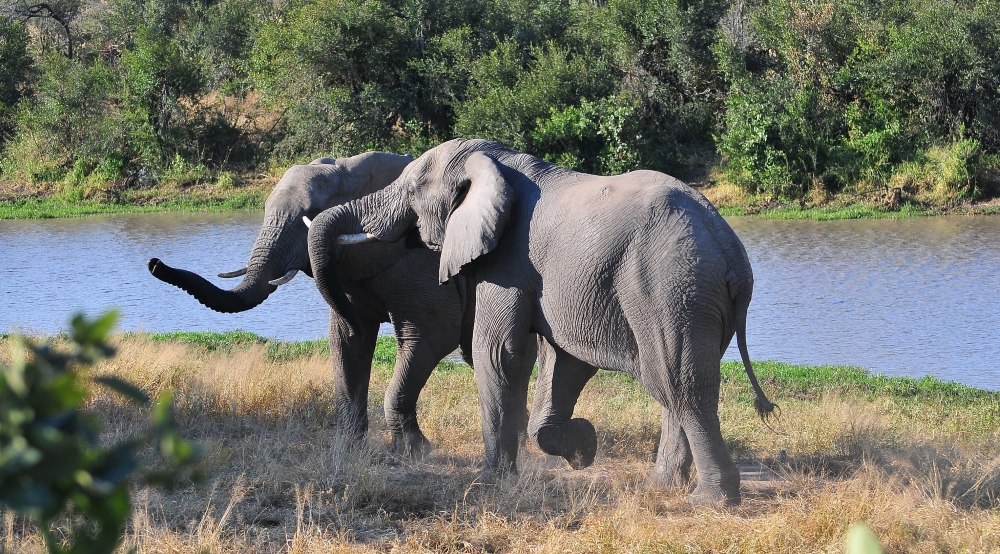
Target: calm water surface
x,y
912,297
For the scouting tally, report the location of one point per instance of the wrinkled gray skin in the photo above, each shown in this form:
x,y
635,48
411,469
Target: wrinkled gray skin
x,y
383,282
635,273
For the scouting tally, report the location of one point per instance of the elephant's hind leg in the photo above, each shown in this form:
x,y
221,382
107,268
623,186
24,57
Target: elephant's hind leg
x,y
561,379
673,457
685,379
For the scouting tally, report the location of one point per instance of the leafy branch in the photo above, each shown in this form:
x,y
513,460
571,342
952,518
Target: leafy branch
x,y
52,463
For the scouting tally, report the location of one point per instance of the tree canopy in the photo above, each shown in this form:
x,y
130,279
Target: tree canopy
x,y
790,95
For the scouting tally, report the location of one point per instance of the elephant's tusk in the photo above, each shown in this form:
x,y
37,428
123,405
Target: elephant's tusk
x,y
231,274
357,238
307,221
288,277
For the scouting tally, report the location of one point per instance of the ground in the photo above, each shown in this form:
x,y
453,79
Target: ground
x,y
918,460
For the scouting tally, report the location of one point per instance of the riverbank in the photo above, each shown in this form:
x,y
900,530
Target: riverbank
x,y
227,192
917,459
881,204
20,201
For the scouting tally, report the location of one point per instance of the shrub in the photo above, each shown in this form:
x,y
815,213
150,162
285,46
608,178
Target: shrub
x,y
52,461
15,67
844,93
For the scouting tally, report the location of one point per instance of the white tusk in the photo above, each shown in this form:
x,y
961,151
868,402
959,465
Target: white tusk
x,y
357,238
288,277
231,274
307,221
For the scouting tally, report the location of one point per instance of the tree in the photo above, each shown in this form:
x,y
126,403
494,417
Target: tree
x,y
62,12
15,65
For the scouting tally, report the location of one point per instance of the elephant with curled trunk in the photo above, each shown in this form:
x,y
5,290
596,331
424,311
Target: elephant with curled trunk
x,y
387,281
636,273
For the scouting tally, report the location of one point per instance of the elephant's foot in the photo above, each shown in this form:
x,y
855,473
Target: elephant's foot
x,y
713,499
353,424
575,440
581,443
669,477
411,444
493,473
726,493
673,467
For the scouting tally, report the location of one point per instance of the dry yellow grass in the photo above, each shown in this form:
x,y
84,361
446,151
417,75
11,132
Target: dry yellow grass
x,y
281,480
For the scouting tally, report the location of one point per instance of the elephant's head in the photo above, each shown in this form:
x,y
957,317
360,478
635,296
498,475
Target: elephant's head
x,y
280,251
455,194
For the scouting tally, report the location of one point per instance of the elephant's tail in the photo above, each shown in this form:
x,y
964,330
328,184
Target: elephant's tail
x,y
763,406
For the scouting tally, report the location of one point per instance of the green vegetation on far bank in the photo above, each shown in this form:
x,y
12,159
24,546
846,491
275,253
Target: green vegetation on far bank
x,y
102,102
200,199
251,197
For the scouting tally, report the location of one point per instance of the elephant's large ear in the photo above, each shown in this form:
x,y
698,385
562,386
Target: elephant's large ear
x,y
476,224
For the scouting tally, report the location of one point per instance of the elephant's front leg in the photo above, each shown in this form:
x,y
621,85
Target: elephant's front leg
x,y
561,379
415,360
673,457
352,368
501,347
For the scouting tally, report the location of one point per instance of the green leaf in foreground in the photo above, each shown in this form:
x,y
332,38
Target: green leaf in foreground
x,y
52,461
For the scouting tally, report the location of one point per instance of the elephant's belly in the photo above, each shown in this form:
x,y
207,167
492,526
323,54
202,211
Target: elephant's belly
x,y
589,324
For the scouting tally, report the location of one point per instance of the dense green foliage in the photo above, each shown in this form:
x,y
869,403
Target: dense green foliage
x,y
856,92
53,462
796,95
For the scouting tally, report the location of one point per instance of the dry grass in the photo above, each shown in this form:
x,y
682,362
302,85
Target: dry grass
x,y
923,474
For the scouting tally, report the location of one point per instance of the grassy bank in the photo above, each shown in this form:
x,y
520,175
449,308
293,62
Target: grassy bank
x,y
251,197
919,460
41,201
878,204
228,192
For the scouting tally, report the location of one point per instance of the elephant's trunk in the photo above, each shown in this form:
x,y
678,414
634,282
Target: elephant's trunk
x,y
265,264
384,214
323,233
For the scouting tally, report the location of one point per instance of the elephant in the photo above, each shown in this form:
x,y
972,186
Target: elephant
x,y
395,281
635,273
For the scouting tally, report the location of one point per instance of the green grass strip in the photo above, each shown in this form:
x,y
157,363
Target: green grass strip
x,y
35,208
782,379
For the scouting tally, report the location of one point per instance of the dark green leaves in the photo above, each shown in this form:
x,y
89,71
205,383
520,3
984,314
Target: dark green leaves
x,y
51,459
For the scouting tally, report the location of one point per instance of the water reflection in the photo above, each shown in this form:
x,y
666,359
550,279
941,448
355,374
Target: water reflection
x,y
910,297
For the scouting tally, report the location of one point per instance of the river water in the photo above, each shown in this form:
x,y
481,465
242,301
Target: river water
x,y
910,297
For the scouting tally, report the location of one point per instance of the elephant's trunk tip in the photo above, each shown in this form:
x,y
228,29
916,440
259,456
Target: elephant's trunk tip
x,y
152,264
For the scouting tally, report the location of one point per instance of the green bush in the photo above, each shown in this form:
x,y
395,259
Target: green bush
x,y
842,94
52,460
796,95
593,137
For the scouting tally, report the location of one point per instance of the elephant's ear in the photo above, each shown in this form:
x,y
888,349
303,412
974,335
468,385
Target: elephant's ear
x,y
476,224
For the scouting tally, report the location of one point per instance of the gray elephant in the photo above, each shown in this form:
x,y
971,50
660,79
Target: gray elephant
x,y
384,282
636,273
